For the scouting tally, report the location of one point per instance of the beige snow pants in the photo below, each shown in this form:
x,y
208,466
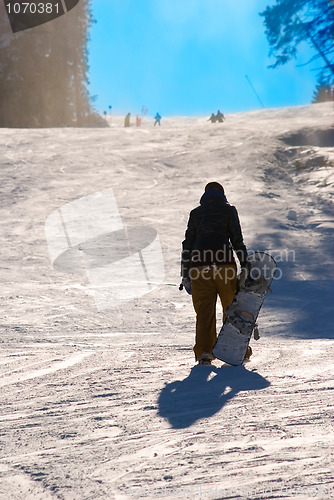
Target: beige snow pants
x,y
207,282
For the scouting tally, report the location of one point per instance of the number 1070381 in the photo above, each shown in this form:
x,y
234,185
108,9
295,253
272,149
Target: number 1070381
x,y
33,8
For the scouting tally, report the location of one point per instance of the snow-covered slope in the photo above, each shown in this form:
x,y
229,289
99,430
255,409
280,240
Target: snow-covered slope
x,y
107,403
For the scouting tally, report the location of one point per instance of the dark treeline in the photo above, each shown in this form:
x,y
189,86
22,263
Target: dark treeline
x,y
43,73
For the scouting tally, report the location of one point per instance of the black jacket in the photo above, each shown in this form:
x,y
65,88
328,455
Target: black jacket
x,y
212,234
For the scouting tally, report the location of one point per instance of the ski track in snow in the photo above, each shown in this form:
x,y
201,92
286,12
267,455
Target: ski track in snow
x,y
109,405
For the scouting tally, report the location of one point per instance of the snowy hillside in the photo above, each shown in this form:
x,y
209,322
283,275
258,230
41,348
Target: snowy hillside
x,y
102,399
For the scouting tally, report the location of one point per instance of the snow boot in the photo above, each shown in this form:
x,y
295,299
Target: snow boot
x,y
248,354
204,361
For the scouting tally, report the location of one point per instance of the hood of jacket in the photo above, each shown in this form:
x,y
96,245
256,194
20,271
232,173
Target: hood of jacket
x,y
212,195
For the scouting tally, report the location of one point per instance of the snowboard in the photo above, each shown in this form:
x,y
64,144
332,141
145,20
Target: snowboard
x,y
241,315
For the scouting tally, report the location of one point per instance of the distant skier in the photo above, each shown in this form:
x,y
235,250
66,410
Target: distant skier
x,y
212,118
157,119
220,117
127,120
208,267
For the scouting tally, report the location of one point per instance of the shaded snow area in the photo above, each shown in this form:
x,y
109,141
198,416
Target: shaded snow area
x,y
100,395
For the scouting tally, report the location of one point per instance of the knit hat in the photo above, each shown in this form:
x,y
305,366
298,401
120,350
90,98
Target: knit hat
x,y
214,185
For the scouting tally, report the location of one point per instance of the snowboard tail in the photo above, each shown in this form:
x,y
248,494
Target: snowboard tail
x,y
241,315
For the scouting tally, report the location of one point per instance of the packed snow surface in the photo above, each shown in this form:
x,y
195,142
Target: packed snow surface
x,y
107,403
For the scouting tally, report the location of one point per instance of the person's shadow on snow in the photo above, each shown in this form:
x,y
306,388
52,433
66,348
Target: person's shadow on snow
x,y
204,392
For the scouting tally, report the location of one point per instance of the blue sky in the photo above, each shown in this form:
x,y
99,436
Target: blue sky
x,y
189,57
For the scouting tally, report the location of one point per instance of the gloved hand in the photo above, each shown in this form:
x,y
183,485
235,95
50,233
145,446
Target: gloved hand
x,y
186,283
242,278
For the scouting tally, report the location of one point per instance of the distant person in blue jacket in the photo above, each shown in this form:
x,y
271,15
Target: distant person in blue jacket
x,y
157,119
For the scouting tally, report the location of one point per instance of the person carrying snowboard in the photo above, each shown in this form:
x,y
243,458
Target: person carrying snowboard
x,y
208,267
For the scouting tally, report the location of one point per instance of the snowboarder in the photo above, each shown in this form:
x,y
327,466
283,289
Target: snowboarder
x,y
157,119
127,120
208,267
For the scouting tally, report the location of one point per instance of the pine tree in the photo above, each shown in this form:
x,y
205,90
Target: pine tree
x,y
288,23
323,93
